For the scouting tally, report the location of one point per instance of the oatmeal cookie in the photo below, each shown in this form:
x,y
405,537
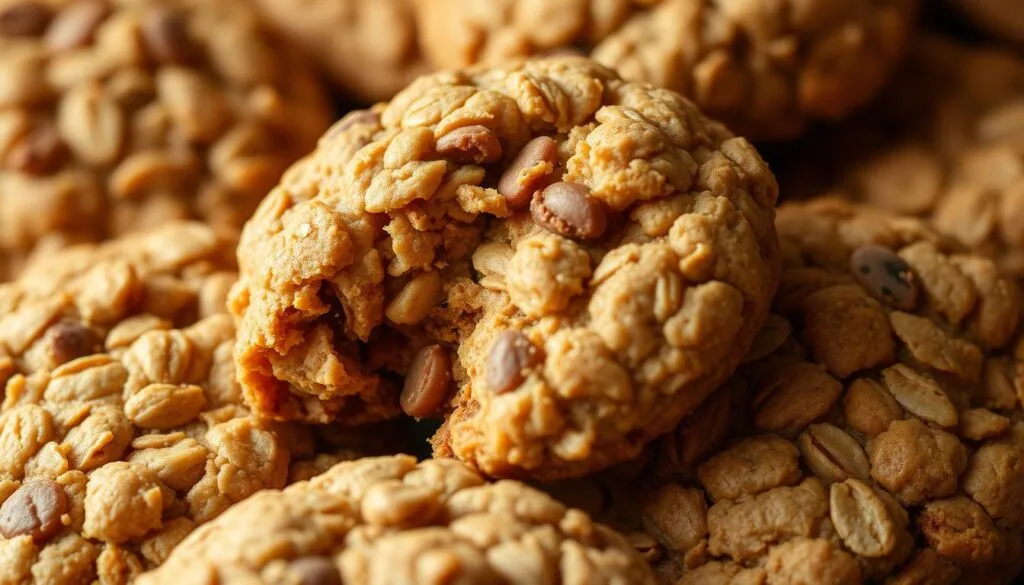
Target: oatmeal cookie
x,y
389,520
369,47
765,68
578,259
121,426
117,115
874,433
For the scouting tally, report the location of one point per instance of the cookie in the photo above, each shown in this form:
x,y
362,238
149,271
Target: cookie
x,y
121,426
1000,18
391,520
766,69
946,143
368,47
117,115
577,259
873,434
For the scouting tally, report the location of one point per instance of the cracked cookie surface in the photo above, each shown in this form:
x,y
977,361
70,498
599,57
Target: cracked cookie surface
x,y
389,520
122,427
764,68
873,434
117,115
578,259
369,47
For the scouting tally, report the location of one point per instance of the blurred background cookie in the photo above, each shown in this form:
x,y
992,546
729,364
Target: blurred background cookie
x,y
1001,18
764,68
369,48
116,115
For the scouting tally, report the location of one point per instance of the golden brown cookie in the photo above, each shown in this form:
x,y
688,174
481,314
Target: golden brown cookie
x,y
873,435
389,520
122,427
765,68
368,47
562,262
116,115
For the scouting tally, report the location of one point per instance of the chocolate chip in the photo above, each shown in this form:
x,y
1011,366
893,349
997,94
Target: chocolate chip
x,y
24,19
39,152
530,170
34,509
470,145
567,209
315,571
885,275
76,25
166,34
70,339
427,382
510,354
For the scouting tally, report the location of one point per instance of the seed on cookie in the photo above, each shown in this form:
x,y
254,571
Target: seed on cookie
x,y
427,383
567,209
353,118
885,275
76,25
34,509
510,354
70,339
528,171
470,145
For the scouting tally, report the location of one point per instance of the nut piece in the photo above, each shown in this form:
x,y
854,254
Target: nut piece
x,y
528,171
861,519
24,19
427,382
70,339
315,571
885,275
832,454
470,145
34,509
567,209
511,353
166,35
416,299
75,25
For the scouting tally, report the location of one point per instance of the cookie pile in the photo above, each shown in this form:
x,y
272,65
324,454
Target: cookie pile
x,y
541,314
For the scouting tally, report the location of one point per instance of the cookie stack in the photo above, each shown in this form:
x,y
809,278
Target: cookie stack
x,y
558,274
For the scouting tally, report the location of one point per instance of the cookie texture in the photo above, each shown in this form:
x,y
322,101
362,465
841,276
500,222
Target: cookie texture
x,y
389,520
577,259
121,426
370,48
946,143
117,115
764,68
873,434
